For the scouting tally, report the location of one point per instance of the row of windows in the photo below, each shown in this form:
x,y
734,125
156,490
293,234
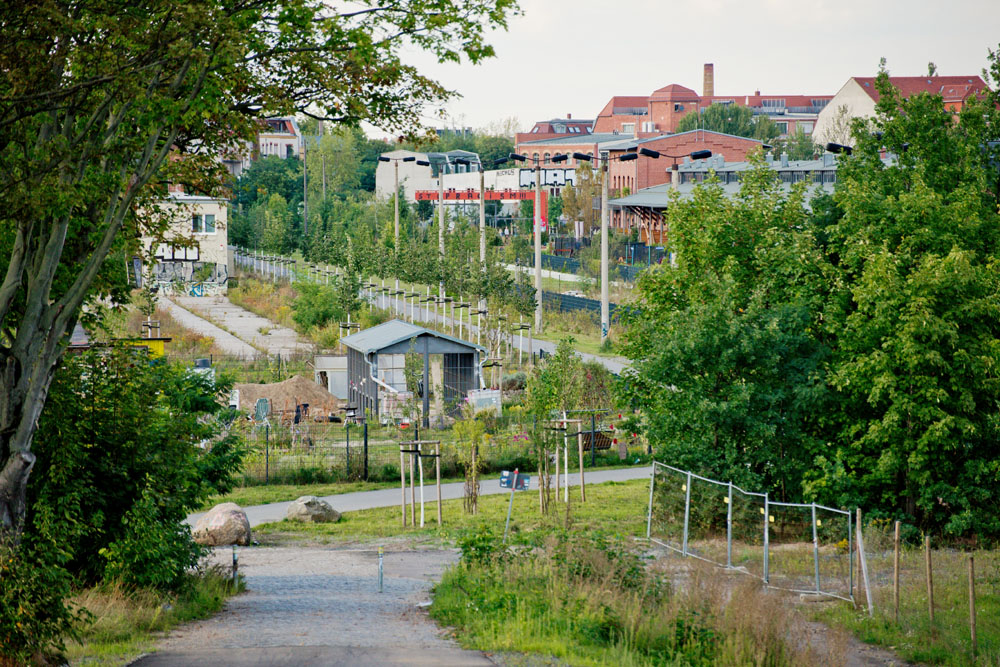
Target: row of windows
x,y
785,176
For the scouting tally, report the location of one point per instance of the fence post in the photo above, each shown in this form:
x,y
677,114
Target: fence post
x,y
729,527
850,558
687,511
649,514
593,440
972,604
767,538
267,454
930,577
815,546
347,458
864,567
895,574
365,431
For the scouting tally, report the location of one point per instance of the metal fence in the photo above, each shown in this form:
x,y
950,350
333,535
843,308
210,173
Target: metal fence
x,y
804,548
567,303
283,452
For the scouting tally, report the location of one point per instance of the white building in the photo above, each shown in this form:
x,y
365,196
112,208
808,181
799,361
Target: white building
x,y
193,254
857,98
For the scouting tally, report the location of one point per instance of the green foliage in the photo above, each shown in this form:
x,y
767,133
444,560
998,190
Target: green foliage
x,y
153,551
846,352
122,431
317,306
730,119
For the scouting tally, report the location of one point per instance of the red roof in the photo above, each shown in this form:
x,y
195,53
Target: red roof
x,y
674,91
952,88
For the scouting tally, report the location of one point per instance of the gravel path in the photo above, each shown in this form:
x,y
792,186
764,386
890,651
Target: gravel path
x,y
321,606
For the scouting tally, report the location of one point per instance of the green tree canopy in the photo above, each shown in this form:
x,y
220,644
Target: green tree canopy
x,y
730,119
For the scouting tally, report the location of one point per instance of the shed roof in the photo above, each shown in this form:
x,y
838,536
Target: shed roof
x,y
395,331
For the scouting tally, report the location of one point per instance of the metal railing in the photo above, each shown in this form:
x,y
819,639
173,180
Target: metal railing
x,y
803,548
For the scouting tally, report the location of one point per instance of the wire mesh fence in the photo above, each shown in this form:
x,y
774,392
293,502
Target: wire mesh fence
x,y
792,546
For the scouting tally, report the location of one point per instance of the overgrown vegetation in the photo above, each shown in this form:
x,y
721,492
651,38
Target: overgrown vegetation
x,y
587,598
840,349
126,449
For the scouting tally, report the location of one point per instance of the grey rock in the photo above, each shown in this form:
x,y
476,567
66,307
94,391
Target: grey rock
x,y
312,509
223,525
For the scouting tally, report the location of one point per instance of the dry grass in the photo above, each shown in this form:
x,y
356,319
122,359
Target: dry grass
x,y
269,300
125,622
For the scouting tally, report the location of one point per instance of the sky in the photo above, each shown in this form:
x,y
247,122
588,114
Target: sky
x,y
569,57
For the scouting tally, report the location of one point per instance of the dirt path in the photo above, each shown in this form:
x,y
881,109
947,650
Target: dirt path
x,y
321,606
252,329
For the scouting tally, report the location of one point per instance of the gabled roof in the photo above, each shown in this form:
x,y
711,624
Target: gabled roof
x,y
393,332
952,88
577,139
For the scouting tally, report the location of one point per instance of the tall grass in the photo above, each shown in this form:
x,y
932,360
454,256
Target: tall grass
x,y
123,621
587,600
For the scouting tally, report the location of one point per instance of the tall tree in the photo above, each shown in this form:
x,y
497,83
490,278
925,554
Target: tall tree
x,y
94,99
730,119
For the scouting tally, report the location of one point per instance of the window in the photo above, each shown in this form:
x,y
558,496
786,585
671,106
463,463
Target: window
x,y
678,107
203,224
628,128
806,127
773,104
819,104
534,130
546,157
782,127
288,151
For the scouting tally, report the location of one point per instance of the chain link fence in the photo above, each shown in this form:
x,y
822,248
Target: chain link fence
x,y
803,548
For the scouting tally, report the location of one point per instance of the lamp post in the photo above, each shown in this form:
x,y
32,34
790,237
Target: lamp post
x,y
605,159
395,196
538,236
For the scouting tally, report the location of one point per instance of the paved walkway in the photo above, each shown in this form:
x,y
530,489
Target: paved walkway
x,y
361,500
224,340
245,325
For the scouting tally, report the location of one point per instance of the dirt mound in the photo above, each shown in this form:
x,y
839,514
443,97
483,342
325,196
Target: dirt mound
x,y
285,395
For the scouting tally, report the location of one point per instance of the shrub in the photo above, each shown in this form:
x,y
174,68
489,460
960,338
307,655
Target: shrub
x,y
152,552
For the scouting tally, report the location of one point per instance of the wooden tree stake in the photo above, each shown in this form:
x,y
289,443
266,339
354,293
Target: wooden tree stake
x,y
930,577
895,574
972,604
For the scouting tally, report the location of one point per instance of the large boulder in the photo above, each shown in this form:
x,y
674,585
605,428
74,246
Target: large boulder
x,y
312,509
223,525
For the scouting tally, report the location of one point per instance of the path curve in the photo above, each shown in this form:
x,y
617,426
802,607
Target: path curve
x,y
363,500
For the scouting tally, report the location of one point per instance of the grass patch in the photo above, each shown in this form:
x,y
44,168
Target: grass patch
x,y
247,496
618,507
125,621
914,637
585,599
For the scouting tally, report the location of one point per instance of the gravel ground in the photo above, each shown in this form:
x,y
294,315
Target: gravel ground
x,y
325,597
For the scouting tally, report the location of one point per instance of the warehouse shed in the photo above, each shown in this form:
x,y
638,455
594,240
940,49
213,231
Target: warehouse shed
x,y
376,360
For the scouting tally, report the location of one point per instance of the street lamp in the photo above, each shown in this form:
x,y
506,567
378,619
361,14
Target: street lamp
x,y
395,193
605,159
839,148
538,235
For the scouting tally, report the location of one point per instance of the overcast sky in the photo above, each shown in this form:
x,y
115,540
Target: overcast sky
x,y
571,56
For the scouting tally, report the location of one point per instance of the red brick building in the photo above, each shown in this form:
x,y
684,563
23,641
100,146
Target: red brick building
x,y
557,127
645,172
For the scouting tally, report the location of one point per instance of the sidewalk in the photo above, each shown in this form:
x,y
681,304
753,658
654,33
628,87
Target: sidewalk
x,y
362,500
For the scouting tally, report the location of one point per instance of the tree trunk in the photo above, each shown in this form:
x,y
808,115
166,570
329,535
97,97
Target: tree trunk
x,y
13,492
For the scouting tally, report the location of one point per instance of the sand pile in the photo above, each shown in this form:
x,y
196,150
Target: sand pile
x,y
285,395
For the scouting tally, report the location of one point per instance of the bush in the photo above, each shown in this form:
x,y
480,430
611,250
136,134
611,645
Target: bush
x,y
152,552
316,306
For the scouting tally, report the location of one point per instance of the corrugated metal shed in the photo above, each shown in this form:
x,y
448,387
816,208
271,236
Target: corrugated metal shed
x,y
394,332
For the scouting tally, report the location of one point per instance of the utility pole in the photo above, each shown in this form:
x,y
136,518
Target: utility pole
x,y
538,245
395,196
441,230
305,193
482,230
605,316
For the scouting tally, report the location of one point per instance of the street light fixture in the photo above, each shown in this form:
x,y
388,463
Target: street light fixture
x,y
839,148
605,159
538,235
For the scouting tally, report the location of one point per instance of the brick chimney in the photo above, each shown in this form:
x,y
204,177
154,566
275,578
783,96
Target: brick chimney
x,y
708,87
569,116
